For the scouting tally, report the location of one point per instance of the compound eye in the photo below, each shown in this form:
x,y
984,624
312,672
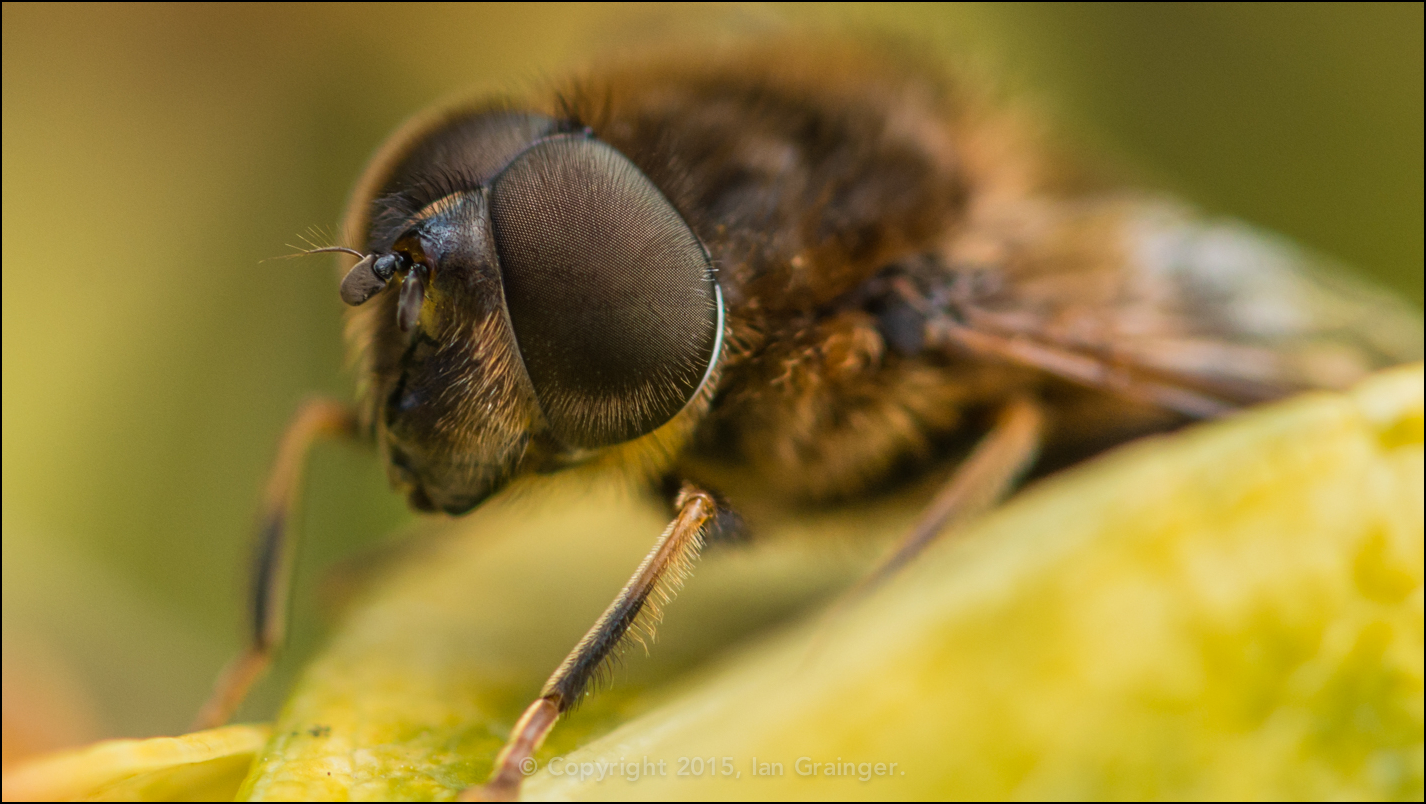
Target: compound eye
x,y
611,296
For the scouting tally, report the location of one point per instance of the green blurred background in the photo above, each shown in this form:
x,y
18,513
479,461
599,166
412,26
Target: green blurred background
x,y
154,156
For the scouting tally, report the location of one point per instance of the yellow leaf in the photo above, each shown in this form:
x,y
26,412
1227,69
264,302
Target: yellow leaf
x,y
1232,611
204,766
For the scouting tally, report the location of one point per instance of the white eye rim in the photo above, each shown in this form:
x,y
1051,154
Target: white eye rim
x,y
717,343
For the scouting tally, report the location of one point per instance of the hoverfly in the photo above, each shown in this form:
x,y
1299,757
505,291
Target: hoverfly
x,y
779,277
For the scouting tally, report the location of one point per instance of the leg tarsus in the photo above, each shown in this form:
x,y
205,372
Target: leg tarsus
x,y
516,760
231,687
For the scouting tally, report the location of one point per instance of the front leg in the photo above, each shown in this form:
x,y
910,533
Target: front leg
x,y
638,607
271,580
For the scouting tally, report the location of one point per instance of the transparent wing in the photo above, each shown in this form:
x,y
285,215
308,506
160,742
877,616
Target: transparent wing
x,y
1143,297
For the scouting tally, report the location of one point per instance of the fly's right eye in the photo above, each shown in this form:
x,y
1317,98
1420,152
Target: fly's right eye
x,y
610,293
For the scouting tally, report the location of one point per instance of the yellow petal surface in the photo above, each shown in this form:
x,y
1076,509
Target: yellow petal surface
x,y
204,766
1232,611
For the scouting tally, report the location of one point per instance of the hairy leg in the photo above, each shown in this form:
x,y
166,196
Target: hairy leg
x,y
633,613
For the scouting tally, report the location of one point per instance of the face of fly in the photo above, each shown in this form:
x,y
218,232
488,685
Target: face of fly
x,y
534,304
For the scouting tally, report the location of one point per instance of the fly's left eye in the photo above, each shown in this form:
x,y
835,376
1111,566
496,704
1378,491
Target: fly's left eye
x,y
610,294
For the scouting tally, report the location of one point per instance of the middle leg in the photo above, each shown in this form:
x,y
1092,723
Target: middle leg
x,y
635,612
991,470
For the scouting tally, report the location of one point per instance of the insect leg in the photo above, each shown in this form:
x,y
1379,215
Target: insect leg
x,y
997,462
653,585
727,527
272,560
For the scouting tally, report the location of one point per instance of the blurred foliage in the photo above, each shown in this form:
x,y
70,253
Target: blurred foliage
x,y
154,156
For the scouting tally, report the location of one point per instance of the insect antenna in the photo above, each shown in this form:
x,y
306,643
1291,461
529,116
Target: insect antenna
x,y
315,240
303,252
365,279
